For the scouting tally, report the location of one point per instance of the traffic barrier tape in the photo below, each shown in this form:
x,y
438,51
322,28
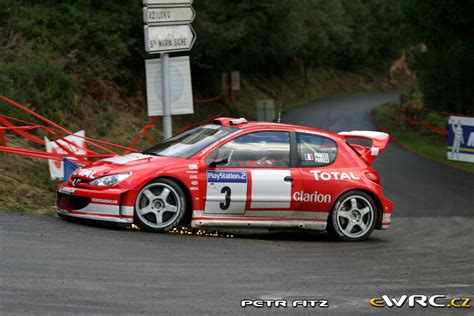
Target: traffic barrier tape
x,y
426,125
430,110
211,99
60,132
149,124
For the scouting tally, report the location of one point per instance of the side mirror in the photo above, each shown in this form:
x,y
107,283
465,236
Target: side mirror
x,y
217,162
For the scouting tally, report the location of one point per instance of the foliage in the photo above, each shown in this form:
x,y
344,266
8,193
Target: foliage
x,y
244,34
412,97
75,55
446,69
352,34
56,54
249,35
416,140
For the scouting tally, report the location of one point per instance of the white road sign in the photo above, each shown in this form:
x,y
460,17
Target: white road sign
x,y
168,38
168,15
167,2
461,138
181,93
56,167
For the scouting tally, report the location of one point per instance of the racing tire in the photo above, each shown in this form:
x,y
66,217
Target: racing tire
x,y
160,206
353,217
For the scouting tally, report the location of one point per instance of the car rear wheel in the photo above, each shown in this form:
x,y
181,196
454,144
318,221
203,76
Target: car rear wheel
x,y
160,206
353,217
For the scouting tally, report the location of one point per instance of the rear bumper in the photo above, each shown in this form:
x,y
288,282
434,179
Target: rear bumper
x,y
101,205
387,208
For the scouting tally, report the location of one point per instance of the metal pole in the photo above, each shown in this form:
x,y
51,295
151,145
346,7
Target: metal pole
x,y
165,84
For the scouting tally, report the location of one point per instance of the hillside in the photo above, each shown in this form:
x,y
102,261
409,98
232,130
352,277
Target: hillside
x,y
25,183
81,64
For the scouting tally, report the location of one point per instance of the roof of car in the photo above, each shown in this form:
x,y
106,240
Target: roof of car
x,y
244,124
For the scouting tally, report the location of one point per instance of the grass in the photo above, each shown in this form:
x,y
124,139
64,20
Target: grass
x,y
25,185
415,140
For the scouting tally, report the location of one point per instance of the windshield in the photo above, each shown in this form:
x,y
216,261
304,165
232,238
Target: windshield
x,y
189,143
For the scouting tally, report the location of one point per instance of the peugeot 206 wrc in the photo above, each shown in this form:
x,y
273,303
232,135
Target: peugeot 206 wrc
x,y
238,174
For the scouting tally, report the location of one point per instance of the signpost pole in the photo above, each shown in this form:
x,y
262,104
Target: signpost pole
x,y
165,85
167,29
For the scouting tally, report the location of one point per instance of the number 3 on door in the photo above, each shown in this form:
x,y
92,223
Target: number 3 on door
x,y
226,204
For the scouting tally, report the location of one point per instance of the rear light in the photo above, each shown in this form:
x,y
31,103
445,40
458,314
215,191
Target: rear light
x,y
372,176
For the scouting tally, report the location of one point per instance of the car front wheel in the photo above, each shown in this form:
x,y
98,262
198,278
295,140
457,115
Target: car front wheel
x,y
353,217
160,206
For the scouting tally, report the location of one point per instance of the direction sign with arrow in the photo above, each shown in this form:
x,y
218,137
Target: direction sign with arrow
x,y
168,15
169,38
167,2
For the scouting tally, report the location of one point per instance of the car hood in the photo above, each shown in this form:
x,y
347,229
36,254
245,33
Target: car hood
x,y
131,162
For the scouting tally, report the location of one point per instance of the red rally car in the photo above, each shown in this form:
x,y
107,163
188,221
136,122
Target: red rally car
x,y
239,174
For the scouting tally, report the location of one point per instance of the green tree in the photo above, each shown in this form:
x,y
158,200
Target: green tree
x,y
56,54
247,34
327,32
446,69
386,30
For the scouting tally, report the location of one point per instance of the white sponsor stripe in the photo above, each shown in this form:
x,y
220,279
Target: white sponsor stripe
x,y
105,201
97,217
101,208
288,214
299,224
126,210
266,214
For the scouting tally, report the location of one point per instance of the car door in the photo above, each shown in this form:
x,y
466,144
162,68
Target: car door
x,y
316,155
251,176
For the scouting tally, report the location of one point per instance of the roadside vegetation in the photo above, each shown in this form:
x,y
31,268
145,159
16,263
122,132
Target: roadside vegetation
x,y
444,66
397,119
67,59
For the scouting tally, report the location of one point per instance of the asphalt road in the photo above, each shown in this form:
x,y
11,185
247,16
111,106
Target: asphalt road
x,y
418,186
50,266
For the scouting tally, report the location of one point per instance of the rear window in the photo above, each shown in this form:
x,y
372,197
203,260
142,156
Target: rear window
x,y
315,151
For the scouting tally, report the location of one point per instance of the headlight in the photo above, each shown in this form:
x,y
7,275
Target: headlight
x,y
113,179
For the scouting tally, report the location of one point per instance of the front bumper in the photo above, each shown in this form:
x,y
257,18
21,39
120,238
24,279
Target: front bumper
x,y
103,205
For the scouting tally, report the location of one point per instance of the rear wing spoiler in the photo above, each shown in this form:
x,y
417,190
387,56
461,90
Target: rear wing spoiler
x,y
379,142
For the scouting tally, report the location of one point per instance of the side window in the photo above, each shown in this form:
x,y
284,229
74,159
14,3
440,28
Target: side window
x,y
260,150
315,151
